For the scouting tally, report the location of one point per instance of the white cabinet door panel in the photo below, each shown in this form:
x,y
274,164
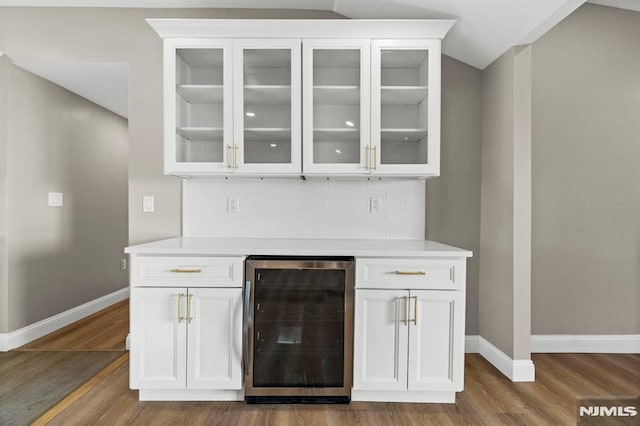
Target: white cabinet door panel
x,y
336,106
380,340
436,321
198,120
158,352
214,339
405,107
267,106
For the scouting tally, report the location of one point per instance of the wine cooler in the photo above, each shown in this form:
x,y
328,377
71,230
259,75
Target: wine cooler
x,y
298,329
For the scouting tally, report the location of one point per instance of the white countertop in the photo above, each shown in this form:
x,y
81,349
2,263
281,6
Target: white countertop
x,y
297,247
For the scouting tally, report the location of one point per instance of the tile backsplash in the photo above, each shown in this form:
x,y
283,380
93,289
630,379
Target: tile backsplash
x,y
293,208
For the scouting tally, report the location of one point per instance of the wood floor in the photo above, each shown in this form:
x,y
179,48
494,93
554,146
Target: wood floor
x,y
33,382
105,330
37,376
488,399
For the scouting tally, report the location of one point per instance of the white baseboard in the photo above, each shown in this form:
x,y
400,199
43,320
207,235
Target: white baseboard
x,y
32,332
573,343
585,343
517,370
471,344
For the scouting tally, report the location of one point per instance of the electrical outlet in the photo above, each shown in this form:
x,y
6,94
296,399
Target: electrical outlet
x,y
233,204
123,264
375,205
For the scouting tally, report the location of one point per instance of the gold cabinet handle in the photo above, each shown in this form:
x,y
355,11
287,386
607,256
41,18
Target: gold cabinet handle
x,y
228,156
375,157
189,313
186,271
410,273
235,156
415,310
366,157
180,316
406,310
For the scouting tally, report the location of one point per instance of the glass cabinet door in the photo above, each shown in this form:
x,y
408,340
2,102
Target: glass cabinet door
x,y
336,106
298,321
198,115
405,107
267,106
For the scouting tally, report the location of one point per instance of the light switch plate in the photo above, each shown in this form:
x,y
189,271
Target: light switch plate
x,y
56,199
148,204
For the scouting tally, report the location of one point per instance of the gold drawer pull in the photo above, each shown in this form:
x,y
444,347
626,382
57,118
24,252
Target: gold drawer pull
x,y
406,310
180,316
410,273
415,310
189,313
375,157
367,159
235,156
187,271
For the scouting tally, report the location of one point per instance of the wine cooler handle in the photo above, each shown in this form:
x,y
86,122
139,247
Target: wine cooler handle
x,y
245,328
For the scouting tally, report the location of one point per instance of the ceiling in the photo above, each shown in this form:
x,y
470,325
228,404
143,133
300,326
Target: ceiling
x,y
105,84
484,31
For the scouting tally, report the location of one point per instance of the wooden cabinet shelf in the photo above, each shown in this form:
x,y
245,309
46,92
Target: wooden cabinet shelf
x,y
267,134
336,95
200,133
328,134
201,93
403,135
267,94
405,95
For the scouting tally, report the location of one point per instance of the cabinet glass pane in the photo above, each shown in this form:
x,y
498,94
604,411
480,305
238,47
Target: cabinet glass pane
x,y
267,106
336,106
403,113
199,105
299,328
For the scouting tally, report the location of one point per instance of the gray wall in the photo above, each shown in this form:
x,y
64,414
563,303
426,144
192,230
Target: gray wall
x,y
453,198
522,122
496,232
4,291
586,175
91,35
122,35
505,230
61,257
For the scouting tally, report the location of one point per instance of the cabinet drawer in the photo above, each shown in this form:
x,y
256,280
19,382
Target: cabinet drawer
x,y
441,274
152,271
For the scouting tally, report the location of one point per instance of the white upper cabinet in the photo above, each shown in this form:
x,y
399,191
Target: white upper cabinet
x,y
267,106
273,97
405,107
232,106
198,120
336,106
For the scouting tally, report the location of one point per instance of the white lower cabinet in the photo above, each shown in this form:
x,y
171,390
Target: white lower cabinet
x,y
186,326
408,345
436,341
186,338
